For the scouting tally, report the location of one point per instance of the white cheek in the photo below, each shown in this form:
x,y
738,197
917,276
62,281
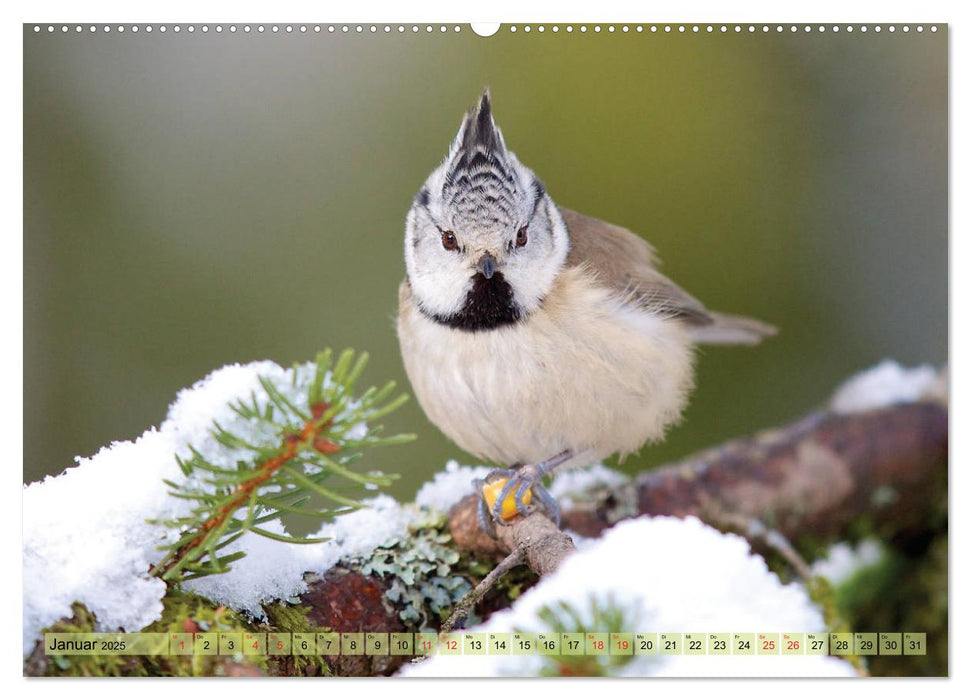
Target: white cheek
x,y
440,287
439,278
533,273
531,280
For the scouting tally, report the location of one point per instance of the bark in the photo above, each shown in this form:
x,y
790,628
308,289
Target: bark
x,y
814,477
545,544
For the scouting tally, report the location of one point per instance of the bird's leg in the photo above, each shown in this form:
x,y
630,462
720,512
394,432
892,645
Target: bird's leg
x,y
519,482
549,503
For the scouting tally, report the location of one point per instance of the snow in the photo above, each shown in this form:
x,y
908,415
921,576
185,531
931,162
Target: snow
x,y
86,538
86,535
843,560
356,431
85,532
190,417
670,575
450,486
887,384
577,483
273,570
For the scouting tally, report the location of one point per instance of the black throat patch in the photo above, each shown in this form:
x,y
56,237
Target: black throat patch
x,y
488,305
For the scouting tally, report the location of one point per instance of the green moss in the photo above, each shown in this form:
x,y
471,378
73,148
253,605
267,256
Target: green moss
x,y
182,612
185,611
811,547
903,593
283,617
822,592
180,606
81,621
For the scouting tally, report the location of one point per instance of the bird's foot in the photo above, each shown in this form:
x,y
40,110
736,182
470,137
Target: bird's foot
x,y
506,493
486,489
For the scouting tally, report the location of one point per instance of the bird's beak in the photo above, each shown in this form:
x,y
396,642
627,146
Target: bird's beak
x,y
487,265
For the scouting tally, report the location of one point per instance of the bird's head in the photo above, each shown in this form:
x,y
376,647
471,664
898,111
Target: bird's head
x,y
483,240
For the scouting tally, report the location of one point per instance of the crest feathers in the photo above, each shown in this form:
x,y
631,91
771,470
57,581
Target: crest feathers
x,y
479,130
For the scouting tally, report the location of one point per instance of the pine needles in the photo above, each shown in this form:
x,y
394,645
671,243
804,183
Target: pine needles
x,y
316,425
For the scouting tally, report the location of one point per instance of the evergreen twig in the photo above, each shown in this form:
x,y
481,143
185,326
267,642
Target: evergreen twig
x,y
309,447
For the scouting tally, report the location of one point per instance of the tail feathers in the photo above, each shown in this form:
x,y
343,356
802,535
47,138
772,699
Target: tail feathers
x,y
726,329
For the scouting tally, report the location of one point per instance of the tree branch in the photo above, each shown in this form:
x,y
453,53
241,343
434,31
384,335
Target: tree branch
x,y
813,477
472,598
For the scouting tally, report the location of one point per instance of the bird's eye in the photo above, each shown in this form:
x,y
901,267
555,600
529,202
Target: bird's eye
x,y
521,237
449,241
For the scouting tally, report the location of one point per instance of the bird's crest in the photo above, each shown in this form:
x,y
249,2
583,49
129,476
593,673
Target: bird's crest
x,y
479,130
479,168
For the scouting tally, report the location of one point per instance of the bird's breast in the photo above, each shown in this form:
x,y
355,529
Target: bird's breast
x,y
584,371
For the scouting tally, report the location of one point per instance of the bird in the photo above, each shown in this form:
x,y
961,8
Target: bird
x,y
534,336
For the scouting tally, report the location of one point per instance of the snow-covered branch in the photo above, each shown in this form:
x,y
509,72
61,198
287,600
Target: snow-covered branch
x,y
879,451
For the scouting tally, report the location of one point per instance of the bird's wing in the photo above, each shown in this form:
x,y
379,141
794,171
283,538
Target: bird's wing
x,y
625,262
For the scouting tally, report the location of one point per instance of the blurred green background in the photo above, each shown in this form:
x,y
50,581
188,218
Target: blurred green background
x,y
192,200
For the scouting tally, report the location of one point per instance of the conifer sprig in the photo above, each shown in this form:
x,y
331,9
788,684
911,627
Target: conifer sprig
x,y
314,425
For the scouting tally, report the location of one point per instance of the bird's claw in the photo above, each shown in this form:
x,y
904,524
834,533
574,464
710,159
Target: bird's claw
x,y
485,520
518,483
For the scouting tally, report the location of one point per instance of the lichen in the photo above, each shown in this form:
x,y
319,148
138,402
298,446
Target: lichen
x,y
420,570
